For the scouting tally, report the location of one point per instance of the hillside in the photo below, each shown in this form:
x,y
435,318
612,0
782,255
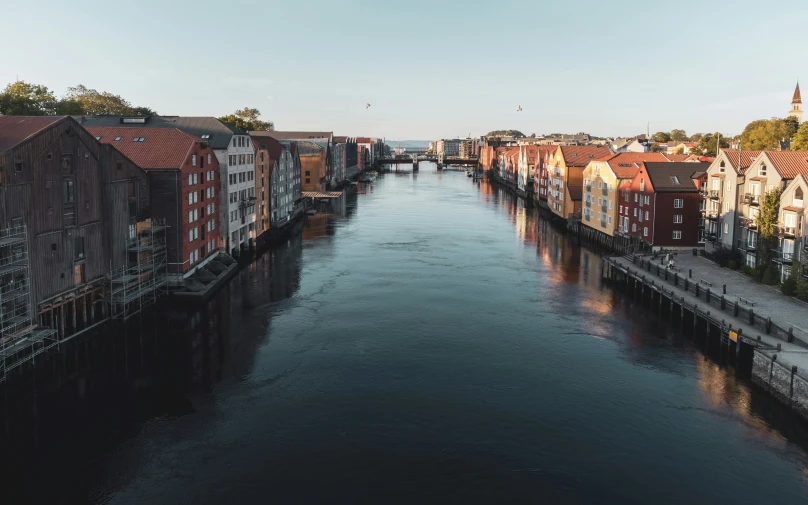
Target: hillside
x,y
505,133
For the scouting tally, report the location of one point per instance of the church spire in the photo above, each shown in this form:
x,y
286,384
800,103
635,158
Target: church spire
x,y
796,104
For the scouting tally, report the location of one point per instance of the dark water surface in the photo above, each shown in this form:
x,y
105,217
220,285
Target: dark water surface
x,y
437,343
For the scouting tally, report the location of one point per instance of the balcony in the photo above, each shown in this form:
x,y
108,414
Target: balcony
x,y
751,199
605,190
748,222
780,256
712,215
588,188
715,194
787,231
747,245
710,236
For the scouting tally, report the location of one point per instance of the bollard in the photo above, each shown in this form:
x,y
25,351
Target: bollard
x,y
707,295
790,335
666,274
768,325
735,310
687,285
779,347
752,317
690,273
697,290
725,289
723,303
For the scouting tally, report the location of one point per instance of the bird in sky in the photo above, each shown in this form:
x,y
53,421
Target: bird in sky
x,y
519,109
367,106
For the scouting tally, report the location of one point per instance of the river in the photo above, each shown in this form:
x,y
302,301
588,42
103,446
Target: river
x,y
434,342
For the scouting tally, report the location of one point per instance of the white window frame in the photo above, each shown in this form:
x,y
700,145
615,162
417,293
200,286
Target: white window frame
x,y
677,234
677,219
678,203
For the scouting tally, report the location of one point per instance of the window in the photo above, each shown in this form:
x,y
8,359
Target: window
x,y
677,234
678,203
674,179
308,181
190,216
600,185
78,248
190,235
647,200
193,159
634,227
190,198
610,205
762,170
635,211
726,228
190,180
196,196
726,206
635,197
677,218
721,166
645,231
600,201
69,191
610,219
598,215
117,139
646,215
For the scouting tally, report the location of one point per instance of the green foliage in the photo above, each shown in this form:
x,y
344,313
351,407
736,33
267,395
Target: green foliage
x,y
661,137
802,290
766,134
732,265
708,144
769,275
696,137
23,99
800,140
505,133
678,135
102,103
751,272
68,107
769,213
654,148
247,120
789,286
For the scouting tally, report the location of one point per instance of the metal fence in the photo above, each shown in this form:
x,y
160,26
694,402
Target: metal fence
x,y
715,297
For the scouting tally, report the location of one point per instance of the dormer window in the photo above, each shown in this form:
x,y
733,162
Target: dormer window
x,y
117,139
206,136
762,170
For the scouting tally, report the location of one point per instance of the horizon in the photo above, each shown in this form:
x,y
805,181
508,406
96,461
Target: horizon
x,y
615,90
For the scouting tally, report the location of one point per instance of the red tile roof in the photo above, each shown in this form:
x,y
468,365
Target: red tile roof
x,y
792,208
789,163
747,157
677,157
532,152
15,129
162,148
626,165
580,156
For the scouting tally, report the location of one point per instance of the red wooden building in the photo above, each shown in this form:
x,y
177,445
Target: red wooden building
x,y
183,178
662,204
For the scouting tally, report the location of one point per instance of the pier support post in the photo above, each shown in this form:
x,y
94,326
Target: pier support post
x,y
791,386
735,309
695,320
752,317
723,303
697,290
768,325
790,335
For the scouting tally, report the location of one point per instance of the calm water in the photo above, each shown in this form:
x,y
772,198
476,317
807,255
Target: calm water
x,y
435,343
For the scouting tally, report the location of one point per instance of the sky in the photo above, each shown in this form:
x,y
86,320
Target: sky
x,y
430,69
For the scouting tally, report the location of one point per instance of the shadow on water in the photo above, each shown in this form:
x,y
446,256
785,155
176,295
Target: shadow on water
x,y
101,393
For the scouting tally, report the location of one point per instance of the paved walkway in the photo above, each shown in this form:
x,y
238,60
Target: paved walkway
x,y
768,302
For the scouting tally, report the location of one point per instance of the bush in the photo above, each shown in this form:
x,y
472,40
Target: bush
x,y
789,286
724,256
802,290
732,265
769,276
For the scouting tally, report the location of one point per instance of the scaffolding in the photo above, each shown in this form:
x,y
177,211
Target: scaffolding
x,y
142,280
21,339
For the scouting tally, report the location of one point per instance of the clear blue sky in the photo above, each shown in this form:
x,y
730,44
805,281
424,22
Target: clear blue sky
x,y
430,69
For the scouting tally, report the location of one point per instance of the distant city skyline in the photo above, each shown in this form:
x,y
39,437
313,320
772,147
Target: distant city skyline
x,y
432,70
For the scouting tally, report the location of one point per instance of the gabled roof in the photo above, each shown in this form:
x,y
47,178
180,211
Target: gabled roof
x,y
16,129
272,146
797,98
531,153
788,163
305,148
746,159
673,177
626,165
289,135
218,133
161,148
678,157
580,156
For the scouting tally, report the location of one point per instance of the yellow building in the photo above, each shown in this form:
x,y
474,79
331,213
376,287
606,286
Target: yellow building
x,y
565,173
601,187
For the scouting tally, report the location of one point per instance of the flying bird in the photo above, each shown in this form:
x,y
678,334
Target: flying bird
x,y
367,106
519,109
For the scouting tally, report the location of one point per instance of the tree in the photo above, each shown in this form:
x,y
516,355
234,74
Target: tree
x,y
94,103
800,140
654,148
678,135
765,134
661,137
506,133
23,99
696,137
707,145
68,107
247,120
792,126
767,220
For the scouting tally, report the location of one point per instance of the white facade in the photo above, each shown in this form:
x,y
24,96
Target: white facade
x,y
285,186
237,195
448,147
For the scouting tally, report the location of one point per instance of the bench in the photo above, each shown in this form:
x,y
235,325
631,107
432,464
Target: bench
x,y
703,281
745,301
